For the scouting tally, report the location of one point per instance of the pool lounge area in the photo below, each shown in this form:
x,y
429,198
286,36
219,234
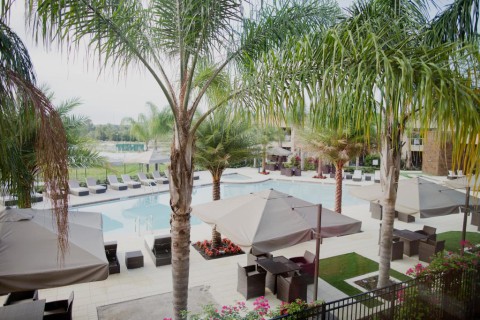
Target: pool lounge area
x,y
219,276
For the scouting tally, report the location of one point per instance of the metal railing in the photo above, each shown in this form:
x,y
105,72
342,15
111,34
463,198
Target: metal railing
x,y
449,295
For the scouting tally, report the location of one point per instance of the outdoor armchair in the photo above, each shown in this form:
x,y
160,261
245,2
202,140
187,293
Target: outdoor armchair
x,y
158,178
397,249
251,281
114,184
75,189
60,309
292,287
144,180
21,296
130,183
307,265
253,256
428,231
94,187
427,249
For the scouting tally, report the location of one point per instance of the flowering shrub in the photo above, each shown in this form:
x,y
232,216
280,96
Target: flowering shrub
x,y
227,247
443,262
261,310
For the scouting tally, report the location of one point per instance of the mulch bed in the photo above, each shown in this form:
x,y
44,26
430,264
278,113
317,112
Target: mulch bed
x,y
370,283
221,254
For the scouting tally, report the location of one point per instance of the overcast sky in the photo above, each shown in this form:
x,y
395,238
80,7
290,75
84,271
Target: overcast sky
x,y
106,98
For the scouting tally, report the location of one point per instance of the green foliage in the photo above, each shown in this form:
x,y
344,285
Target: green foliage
x,y
367,161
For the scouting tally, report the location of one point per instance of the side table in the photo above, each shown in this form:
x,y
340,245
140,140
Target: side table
x,y
134,259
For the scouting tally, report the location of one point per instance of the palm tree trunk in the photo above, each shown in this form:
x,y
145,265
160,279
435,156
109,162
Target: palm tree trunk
x,y
338,185
390,164
216,236
181,185
319,168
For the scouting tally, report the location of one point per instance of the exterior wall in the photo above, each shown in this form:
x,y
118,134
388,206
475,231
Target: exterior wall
x,y
437,159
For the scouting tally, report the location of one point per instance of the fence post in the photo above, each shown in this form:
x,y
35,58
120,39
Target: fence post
x,y
392,302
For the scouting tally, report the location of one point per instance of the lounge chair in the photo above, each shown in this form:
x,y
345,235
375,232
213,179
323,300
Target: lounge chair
x,y
111,253
460,174
114,184
144,180
7,200
376,177
130,183
60,309
75,189
357,175
160,249
451,175
94,187
158,178
36,197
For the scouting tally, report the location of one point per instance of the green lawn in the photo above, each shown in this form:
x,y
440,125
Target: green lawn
x,y
336,270
452,239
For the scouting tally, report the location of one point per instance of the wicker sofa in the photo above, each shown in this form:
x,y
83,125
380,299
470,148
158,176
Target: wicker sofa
x,y
160,249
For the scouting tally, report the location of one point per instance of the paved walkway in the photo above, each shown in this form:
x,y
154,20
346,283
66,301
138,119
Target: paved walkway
x,y
221,274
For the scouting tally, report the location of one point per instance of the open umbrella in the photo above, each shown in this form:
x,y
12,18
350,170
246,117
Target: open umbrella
x,y
267,220
278,151
418,195
28,250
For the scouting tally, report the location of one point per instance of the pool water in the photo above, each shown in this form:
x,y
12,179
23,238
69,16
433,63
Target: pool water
x,y
152,212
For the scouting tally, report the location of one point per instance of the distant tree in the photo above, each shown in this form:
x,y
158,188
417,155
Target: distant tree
x,y
221,141
266,134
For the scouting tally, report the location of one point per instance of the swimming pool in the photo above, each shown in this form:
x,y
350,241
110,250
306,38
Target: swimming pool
x,y
152,212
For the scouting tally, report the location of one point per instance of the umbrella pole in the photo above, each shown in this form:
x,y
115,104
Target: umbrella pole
x,y
465,214
318,238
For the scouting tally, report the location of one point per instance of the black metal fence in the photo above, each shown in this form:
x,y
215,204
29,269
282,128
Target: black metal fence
x,y
451,295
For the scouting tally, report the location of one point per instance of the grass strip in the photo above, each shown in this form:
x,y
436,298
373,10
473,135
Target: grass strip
x,y
336,270
453,238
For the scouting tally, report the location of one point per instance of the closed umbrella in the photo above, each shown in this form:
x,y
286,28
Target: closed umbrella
x,y
418,195
28,250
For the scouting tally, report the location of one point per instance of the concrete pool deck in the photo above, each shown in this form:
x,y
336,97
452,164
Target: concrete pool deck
x,y
221,274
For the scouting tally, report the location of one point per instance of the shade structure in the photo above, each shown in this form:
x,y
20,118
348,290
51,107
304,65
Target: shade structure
x,y
418,195
266,221
28,250
278,151
148,157
464,182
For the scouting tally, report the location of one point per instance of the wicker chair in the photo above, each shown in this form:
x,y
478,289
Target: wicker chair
x,y
253,256
251,281
427,249
307,265
60,309
428,231
397,249
291,288
111,253
21,296
162,250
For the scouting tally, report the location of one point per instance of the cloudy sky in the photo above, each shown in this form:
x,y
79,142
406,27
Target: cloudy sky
x,y
106,97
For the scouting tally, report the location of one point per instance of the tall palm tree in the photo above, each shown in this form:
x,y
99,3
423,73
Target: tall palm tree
x,y
266,134
383,66
337,146
222,141
154,126
180,33
29,121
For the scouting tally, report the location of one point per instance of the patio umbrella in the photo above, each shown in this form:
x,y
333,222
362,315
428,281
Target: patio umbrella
x,y
418,195
263,220
278,151
28,250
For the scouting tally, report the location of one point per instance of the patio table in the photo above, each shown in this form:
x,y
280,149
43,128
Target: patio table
x,y
32,310
411,240
276,266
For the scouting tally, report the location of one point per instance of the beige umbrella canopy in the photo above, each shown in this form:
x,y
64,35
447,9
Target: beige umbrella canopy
x,y
278,151
266,221
418,195
28,250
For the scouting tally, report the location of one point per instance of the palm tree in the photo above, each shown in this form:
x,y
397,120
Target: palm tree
x,y
337,146
154,126
382,66
28,121
222,141
182,33
266,135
